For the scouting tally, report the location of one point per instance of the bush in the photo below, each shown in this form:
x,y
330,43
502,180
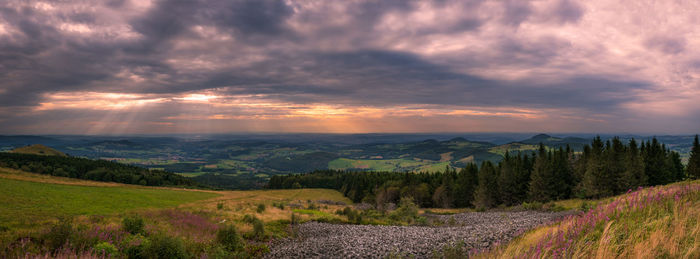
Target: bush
x,y
136,246
250,219
259,230
162,246
261,208
59,234
228,237
532,205
105,249
257,250
407,211
133,224
220,206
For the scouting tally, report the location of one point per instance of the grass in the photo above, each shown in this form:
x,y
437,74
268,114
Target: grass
x,y
658,222
31,204
397,165
26,203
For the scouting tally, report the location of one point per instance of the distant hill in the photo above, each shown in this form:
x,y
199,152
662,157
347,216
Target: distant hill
x,y
556,142
38,149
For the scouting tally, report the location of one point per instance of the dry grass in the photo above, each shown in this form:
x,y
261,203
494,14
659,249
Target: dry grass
x,y
660,222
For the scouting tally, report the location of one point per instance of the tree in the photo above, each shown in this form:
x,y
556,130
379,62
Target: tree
x,y
633,176
486,195
542,178
465,184
694,160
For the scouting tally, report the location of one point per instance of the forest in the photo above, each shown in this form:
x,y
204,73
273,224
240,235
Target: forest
x,y
96,170
602,169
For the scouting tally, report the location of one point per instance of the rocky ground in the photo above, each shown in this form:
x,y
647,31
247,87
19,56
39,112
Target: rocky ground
x,y
476,229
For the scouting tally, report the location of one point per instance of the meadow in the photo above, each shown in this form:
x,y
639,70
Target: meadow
x,y
60,217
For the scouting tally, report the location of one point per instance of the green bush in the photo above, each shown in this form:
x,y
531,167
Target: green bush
x,y
162,246
257,250
220,206
136,246
229,238
59,233
261,208
105,249
250,219
532,205
407,211
259,230
133,224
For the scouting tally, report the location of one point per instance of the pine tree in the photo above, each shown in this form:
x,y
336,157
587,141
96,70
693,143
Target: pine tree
x,y
634,175
507,180
694,160
465,185
593,182
486,195
541,182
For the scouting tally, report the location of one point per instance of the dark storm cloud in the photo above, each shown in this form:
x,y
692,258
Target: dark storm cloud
x,y
366,53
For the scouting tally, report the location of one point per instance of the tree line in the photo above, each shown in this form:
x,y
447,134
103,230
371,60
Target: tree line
x,y
96,170
602,169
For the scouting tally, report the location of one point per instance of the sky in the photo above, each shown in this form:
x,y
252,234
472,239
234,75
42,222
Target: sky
x,y
349,66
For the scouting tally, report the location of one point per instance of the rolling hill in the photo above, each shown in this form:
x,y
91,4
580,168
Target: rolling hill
x,y
38,149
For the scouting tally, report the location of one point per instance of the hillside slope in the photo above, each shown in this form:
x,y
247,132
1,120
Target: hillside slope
x,y
657,222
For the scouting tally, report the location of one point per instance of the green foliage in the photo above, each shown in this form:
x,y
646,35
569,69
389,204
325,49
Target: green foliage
x,y
603,169
694,160
166,247
247,218
260,208
535,205
257,250
133,224
406,212
96,170
136,246
259,230
220,206
105,249
59,233
229,238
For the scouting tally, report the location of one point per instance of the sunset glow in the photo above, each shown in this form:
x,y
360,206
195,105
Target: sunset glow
x,y
126,67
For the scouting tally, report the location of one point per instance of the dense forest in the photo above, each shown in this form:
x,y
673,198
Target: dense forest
x,y
96,170
601,169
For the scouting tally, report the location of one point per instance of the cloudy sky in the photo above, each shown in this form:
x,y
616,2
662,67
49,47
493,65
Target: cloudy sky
x,y
123,67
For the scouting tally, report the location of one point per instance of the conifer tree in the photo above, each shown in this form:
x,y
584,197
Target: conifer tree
x,y
541,182
465,185
634,175
486,195
694,160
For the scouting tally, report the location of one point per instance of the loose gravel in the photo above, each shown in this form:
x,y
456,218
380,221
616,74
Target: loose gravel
x,y
477,230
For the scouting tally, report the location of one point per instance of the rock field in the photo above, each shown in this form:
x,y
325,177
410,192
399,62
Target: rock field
x,y
476,229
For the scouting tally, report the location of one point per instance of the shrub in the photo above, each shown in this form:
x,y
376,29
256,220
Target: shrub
x,y
259,229
162,246
4,228
228,237
532,205
59,234
407,211
261,208
250,219
133,224
257,250
220,206
105,249
136,246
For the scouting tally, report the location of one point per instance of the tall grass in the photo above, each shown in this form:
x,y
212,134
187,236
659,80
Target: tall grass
x,y
658,222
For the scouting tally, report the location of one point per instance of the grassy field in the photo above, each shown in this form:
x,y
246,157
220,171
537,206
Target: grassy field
x,y
31,204
38,150
396,165
30,199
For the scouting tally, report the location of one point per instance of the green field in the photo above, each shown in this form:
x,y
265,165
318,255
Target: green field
x,y
27,203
